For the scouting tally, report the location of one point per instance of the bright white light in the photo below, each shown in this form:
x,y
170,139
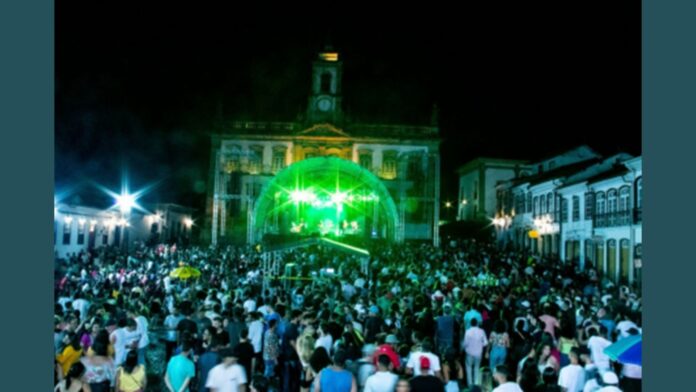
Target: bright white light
x,y
188,222
448,204
68,220
464,202
302,196
82,221
125,202
123,222
338,197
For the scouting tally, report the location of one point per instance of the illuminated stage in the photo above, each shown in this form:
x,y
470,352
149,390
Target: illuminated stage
x,y
325,196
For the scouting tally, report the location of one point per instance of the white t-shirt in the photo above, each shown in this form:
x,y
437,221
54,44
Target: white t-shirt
x,y
508,387
226,379
381,382
325,341
572,377
597,344
256,334
250,305
591,386
142,329
81,305
609,388
414,363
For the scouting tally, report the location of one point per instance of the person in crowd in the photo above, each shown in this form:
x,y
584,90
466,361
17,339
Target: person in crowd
x,y
501,376
131,376
100,371
228,375
383,380
73,380
452,371
610,382
256,328
473,345
271,349
208,360
597,343
335,378
415,363
245,352
171,322
180,370
499,343
549,381
71,354
572,376
425,381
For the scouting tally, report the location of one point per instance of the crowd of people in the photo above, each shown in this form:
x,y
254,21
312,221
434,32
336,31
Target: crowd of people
x,y
463,316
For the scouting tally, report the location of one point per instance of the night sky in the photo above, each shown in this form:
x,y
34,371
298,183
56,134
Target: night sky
x,y
138,88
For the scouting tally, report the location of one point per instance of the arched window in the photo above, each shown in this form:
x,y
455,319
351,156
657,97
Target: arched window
x,y
624,260
624,198
326,83
600,202
612,202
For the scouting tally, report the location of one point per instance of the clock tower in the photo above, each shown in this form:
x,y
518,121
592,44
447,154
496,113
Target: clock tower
x,y
324,104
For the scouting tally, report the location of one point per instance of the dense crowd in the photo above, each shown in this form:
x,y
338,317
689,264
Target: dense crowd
x,y
464,316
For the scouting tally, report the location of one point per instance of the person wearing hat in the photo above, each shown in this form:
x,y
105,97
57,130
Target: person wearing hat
x,y
228,376
383,380
610,382
389,349
502,376
425,381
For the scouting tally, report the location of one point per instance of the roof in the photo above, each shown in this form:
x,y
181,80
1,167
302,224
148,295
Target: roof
x,y
291,129
560,151
562,171
616,171
483,160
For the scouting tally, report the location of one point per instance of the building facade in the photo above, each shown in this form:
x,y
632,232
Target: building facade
x,y
477,186
250,163
588,212
78,228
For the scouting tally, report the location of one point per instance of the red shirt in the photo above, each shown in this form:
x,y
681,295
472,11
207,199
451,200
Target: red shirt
x,y
387,350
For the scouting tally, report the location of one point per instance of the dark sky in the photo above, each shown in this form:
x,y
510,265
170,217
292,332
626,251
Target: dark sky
x,y
137,88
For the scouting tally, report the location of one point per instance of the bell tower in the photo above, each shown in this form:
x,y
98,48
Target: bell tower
x,y
325,98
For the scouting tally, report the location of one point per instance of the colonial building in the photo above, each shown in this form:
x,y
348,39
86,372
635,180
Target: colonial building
x,y
257,189
477,185
79,228
586,212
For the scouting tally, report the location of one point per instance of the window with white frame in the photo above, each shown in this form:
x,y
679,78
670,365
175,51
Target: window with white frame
x,y
81,231
576,208
67,229
600,202
624,198
589,205
612,201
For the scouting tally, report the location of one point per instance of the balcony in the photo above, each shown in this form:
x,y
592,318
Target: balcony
x,y
613,219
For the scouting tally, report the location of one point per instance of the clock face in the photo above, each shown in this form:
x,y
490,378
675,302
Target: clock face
x,y
324,104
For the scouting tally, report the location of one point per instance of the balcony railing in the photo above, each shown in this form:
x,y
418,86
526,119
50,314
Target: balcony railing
x,y
613,219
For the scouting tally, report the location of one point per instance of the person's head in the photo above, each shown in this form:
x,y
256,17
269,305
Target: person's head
x,y
186,347
77,370
131,361
383,363
584,355
574,355
592,331
474,322
295,315
549,376
543,350
244,333
208,334
499,326
73,323
403,385
131,325
229,356
217,323
259,383
340,357
319,359
272,324
501,374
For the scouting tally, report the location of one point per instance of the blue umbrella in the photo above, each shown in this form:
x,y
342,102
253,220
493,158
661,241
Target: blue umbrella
x,y
628,350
